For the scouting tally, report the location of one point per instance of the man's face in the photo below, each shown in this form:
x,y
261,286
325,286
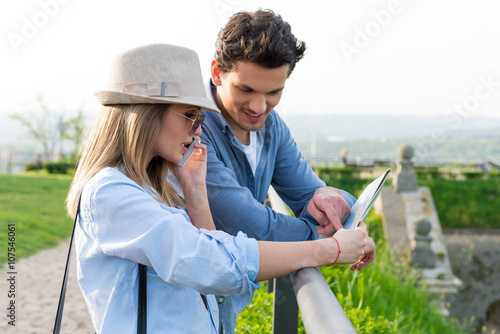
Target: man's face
x,y
247,94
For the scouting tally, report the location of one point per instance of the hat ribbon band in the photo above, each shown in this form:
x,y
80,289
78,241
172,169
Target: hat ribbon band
x,y
169,89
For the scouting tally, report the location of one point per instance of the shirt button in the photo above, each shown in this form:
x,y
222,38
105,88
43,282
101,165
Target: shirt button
x,y
221,300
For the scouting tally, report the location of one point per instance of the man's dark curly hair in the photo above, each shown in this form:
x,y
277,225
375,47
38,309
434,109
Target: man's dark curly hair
x,y
260,37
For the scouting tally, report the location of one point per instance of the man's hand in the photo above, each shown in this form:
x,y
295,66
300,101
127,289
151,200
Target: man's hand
x,y
329,209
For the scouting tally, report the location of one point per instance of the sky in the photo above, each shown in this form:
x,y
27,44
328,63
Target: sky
x,y
394,57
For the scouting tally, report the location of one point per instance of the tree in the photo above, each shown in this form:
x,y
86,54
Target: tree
x,y
41,125
48,127
74,130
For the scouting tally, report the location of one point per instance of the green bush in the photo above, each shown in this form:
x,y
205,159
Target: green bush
x,y
494,173
56,167
63,166
427,173
30,166
473,175
257,317
353,186
33,165
337,172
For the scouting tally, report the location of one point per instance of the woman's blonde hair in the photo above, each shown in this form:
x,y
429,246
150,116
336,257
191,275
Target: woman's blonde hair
x,y
125,136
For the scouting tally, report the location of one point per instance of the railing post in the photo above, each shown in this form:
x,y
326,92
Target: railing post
x,y
285,308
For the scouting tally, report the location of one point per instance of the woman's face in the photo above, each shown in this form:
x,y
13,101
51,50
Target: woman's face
x,y
174,138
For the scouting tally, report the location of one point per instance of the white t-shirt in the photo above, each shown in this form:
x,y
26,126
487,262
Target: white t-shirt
x,y
252,150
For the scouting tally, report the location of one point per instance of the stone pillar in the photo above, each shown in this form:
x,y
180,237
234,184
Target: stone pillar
x,y
405,178
403,207
422,255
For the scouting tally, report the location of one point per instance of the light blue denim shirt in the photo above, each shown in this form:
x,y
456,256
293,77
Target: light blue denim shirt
x,y
120,225
236,194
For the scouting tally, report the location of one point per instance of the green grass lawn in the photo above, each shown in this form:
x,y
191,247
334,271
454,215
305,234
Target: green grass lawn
x,y
473,203
34,205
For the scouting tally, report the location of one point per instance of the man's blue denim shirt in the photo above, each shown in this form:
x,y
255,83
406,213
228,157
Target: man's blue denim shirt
x,y
236,194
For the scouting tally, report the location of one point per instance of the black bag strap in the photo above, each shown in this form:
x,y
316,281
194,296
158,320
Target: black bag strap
x,y
142,301
62,296
142,292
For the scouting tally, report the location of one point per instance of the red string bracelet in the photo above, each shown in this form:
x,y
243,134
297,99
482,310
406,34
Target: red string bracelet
x,y
338,254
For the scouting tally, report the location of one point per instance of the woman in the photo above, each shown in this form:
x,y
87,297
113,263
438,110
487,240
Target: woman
x,y
130,214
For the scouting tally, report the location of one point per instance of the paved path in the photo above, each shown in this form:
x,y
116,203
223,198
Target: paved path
x,y
38,284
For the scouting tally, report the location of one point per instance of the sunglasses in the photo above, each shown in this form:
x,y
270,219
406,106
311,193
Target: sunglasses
x,y
196,122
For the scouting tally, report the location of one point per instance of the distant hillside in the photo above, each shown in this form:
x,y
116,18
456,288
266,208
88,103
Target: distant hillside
x,y
367,137
452,150
354,127
377,137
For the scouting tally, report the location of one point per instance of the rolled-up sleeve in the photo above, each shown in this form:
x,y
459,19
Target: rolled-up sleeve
x,y
244,261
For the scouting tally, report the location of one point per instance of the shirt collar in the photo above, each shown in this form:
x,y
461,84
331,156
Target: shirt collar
x,y
216,117
208,88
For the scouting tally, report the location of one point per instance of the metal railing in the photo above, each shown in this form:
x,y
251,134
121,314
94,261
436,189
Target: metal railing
x,y
307,290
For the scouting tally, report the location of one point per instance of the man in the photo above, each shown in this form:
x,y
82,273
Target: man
x,y
249,145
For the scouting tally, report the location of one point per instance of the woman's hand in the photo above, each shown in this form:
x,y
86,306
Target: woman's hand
x,y
192,177
194,172
356,247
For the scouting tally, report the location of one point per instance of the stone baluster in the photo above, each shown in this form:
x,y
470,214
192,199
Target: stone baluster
x,y
422,255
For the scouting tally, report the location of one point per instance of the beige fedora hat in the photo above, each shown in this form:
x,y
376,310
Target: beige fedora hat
x,y
156,73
